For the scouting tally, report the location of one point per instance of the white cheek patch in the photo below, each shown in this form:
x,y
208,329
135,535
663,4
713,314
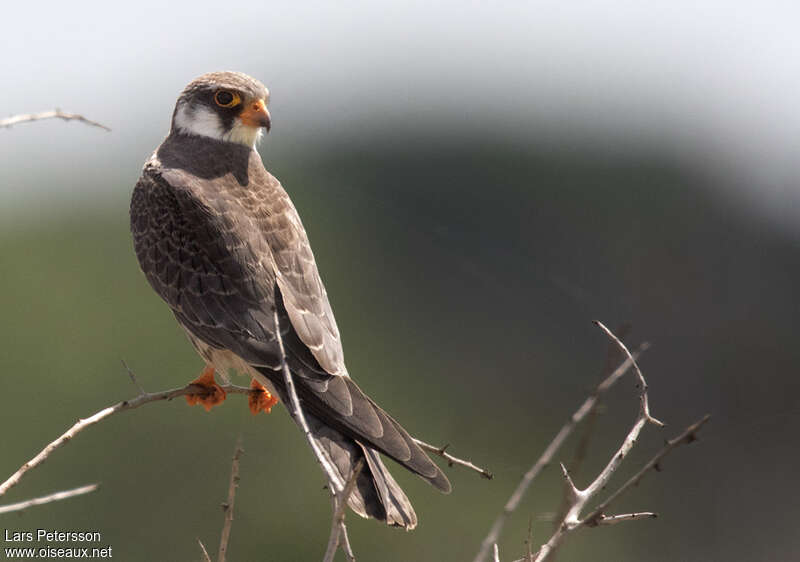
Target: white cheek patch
x,y
199,121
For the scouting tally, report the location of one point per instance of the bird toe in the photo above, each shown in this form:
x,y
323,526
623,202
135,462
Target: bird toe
x,y
260,399
206,391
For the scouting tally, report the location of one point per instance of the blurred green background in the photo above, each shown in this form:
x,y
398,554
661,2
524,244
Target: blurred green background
x,y
478,183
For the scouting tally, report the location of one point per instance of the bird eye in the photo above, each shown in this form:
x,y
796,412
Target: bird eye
x,y
224,98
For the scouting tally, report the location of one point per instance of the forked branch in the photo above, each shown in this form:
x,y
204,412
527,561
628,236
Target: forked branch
x,y
547,456
577,499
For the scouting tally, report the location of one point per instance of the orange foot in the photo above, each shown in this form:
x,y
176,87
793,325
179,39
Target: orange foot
x,y
260,399
210,394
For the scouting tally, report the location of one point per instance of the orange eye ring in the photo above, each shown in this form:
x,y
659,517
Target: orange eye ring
x,y
226,98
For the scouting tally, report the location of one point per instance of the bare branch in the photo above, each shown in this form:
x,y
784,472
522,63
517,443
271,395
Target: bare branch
x,y
227,507
645,402
547,456
206,557
345,540
339,490
580,498
496,553
55,114
57,496
613,356
123,406
596,517
451,460
297,413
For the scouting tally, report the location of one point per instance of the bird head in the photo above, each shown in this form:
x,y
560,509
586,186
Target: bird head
x,y
227,106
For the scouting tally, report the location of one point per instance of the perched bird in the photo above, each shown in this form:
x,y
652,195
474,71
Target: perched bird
x,y
219,240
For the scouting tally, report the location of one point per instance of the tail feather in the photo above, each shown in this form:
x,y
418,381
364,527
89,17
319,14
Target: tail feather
x,y
376,494
349,426
339,403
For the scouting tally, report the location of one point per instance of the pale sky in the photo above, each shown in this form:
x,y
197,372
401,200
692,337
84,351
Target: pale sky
x,y
716,82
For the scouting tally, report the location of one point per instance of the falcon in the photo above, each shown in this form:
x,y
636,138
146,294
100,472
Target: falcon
x,y
219,240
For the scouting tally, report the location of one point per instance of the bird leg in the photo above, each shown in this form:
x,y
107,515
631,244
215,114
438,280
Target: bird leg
x,y
260,399
209,393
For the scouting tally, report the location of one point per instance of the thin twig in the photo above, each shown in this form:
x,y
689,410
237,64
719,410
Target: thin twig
x,y
206,557
451,460
496,556
55,114
579,498
133,378
339,490
614,519
547,456
297,413
345,540
338,529
57,496
643,395
529,541
123,406
227,507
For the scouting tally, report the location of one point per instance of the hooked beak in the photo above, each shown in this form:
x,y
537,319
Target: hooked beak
x,y
256,115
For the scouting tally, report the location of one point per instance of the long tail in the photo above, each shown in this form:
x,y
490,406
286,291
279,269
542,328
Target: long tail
x,y
376,493
339,403
348,425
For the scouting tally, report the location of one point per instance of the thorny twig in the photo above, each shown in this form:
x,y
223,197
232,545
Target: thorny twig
x,y
613,356
451,460
547,456
227,507
578,499
597,517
